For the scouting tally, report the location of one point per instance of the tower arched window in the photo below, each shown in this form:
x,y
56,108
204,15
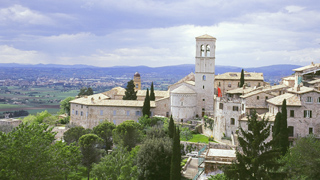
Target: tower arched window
x,y
207,50
204,77
202,50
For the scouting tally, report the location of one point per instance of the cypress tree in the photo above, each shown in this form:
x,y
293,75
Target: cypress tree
x,y
276,131
284,142
171,127
241,79
175,171
146,105
152,96
255,158
130,93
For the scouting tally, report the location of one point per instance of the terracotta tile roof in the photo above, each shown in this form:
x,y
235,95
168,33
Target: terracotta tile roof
x,y
237,75
292,100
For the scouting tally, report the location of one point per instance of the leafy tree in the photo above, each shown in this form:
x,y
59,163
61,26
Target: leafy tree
x,y
127,134
29,152
85,91
185,133
171,127
38,118
255,157
147,122
146,105
154,157
120,165
73,134
152,96
65,105
175,169
303,160
90,153
130,93
218,177
241,79
51,120
104,131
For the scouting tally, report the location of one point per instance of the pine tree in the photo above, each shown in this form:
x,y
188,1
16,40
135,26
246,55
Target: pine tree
x,y
284,141
146,105
175,171
241,79
171,127
130,93
255,157
152,96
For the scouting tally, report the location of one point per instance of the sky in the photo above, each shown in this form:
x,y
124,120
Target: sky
x,y
105,33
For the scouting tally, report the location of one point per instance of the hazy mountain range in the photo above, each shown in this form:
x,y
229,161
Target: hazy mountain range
x,y
271,73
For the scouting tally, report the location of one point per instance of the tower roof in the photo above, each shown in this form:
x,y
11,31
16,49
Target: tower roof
x,y
205,36
136,74
183,89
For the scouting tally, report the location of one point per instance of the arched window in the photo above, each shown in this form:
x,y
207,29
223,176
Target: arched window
x,y
204,77
208,51
202,51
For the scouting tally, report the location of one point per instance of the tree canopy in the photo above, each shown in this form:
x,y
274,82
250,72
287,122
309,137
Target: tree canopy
x,y
73,134
29,152
65,105
255,157
175,169
241,79
130,93
280,133
104,131
127,134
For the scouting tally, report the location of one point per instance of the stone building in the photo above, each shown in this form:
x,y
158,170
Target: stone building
x,y
192,96
231,80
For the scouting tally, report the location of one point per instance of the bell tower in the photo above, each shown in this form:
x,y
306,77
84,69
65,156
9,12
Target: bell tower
x,y
137,81
204,74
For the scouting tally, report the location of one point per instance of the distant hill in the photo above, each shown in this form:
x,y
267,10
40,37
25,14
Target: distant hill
x,y
271,73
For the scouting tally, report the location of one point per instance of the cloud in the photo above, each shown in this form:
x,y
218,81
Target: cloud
x,y
20,14
10,54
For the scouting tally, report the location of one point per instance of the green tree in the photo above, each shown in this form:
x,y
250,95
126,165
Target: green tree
x,y
119,165
255,157
91,154
284,132
218,177
38,118
148,122
175,169
303,160
152,95
29,152
65,105
104,131
51,120
171,127
241,79
85,91
186,134
73,134
146,105
130,93
154,156
127,134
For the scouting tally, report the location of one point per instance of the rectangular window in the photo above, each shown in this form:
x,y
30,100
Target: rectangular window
x,y
267,97
311,130
318,100
309,99
235,108
249,85
115,122
114,112
219,84
242,107
229,85
203,100
81,106
101,120
232,121
81,113
101,112
72,111
290,131
137,113
128,113
291,113
86,114
76,112
220,105
151,113
307,114
258,97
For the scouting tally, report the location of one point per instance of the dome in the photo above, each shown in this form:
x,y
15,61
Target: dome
x,y
136,74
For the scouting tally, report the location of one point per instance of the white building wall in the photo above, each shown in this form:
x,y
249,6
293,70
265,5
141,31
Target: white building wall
x,y
183,106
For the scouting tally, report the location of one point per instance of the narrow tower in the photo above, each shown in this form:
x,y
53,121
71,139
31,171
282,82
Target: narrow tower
x,y
137,81
204,73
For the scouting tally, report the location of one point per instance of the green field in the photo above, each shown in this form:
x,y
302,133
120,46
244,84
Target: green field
x,y
34,99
